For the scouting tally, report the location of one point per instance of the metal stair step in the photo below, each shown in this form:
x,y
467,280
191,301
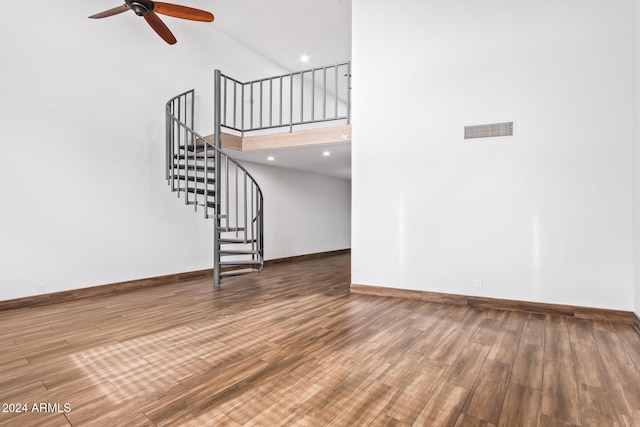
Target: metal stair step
x,y
229,240
230,229
197,157
210,193
194,179
196,168
239,263
210,205
230,252
198,147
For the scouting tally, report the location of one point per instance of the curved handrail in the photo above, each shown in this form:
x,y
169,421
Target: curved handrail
x,y
199,137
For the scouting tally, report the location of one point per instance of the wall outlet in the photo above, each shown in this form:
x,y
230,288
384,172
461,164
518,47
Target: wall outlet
x,y
478,282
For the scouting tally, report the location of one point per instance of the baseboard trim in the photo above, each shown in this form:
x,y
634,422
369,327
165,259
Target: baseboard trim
x,y
576,312
101,290
131,285
307,257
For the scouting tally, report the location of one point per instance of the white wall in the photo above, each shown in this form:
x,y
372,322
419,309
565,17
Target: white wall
x,y
543,216
636,152
83,199
303,213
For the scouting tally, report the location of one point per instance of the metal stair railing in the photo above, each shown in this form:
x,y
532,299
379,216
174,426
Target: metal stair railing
x,y
226,191
315,95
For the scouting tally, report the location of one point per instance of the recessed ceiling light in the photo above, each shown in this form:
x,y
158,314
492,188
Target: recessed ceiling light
x,y
326,153
304,58
271,158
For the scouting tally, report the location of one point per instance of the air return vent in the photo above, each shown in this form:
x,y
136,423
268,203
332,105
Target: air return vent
x,y
491,130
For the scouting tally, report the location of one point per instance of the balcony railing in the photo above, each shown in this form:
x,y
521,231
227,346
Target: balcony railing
x,y
303,97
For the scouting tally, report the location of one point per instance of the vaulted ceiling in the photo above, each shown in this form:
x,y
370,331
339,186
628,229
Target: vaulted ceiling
x,y
282,30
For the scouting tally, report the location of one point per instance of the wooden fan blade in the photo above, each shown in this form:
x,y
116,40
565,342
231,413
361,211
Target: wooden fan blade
x,y
111,12
160,28
183,12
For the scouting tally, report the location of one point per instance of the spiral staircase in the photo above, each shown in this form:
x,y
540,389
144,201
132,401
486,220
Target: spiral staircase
x,y
210,180
224,190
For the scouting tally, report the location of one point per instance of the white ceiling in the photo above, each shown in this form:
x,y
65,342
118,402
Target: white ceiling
x,y
283,30
309,158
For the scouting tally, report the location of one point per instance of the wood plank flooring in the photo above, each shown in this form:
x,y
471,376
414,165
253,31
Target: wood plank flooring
x,y
293,347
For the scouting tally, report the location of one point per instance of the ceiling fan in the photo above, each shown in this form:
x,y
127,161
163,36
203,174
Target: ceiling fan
x,y
148,10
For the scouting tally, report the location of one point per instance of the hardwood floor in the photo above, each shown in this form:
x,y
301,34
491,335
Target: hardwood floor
x,y
293,347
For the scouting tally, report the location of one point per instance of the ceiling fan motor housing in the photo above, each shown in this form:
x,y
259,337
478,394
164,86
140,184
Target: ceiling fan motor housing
x,y
140,7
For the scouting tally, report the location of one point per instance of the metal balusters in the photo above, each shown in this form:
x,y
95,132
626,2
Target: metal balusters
x,y
302,97
290,103
324,98
179,149
190,96
235,86
236,210
313,94
206,180
242,110
261,89
251,223
251,106
183,142
244,217
224,100
218,187
167,151
348,76
175,133
226,193
270,102
335,96
189,148
169,142
280,103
